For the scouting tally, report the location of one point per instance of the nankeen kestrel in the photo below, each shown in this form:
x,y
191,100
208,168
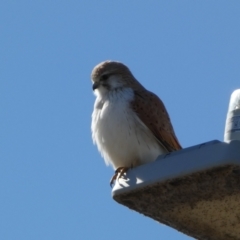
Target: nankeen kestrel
x,y
130,124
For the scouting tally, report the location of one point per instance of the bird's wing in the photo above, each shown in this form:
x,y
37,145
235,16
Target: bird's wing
x,y
152,112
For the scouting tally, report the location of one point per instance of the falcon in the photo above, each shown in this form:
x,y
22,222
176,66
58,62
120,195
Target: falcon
x,y
130,125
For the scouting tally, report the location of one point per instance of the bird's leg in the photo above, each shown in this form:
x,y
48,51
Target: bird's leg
x,y
120,171
114,177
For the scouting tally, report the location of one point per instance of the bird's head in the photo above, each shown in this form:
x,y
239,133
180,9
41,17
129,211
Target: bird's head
x,y
110,75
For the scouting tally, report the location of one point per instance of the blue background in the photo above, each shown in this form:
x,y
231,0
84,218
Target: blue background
x,y
53,182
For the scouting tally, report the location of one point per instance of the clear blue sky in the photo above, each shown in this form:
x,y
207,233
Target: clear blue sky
x,y
53,182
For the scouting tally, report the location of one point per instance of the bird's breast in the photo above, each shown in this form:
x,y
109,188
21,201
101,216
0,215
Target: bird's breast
x,y
121,137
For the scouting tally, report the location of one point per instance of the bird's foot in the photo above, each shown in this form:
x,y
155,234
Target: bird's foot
x,y
120,171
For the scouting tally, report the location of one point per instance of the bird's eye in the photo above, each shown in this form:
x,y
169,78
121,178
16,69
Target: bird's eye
x,y
104,77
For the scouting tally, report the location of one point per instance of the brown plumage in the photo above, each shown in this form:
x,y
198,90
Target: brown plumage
x,y
151,110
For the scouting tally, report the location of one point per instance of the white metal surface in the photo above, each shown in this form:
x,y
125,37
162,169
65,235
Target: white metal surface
x,y
177,164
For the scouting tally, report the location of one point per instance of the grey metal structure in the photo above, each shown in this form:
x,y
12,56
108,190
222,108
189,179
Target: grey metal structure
x,y
195,190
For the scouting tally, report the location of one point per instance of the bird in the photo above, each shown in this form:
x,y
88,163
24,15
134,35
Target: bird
x,y
130,125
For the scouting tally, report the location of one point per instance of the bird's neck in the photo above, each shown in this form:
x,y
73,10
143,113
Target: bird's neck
x,y
118,94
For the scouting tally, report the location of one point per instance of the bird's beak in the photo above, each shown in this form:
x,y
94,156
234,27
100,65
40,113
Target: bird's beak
x,y
95,85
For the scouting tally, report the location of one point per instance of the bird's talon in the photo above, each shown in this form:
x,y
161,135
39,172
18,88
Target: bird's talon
x,y
123,170
120,171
